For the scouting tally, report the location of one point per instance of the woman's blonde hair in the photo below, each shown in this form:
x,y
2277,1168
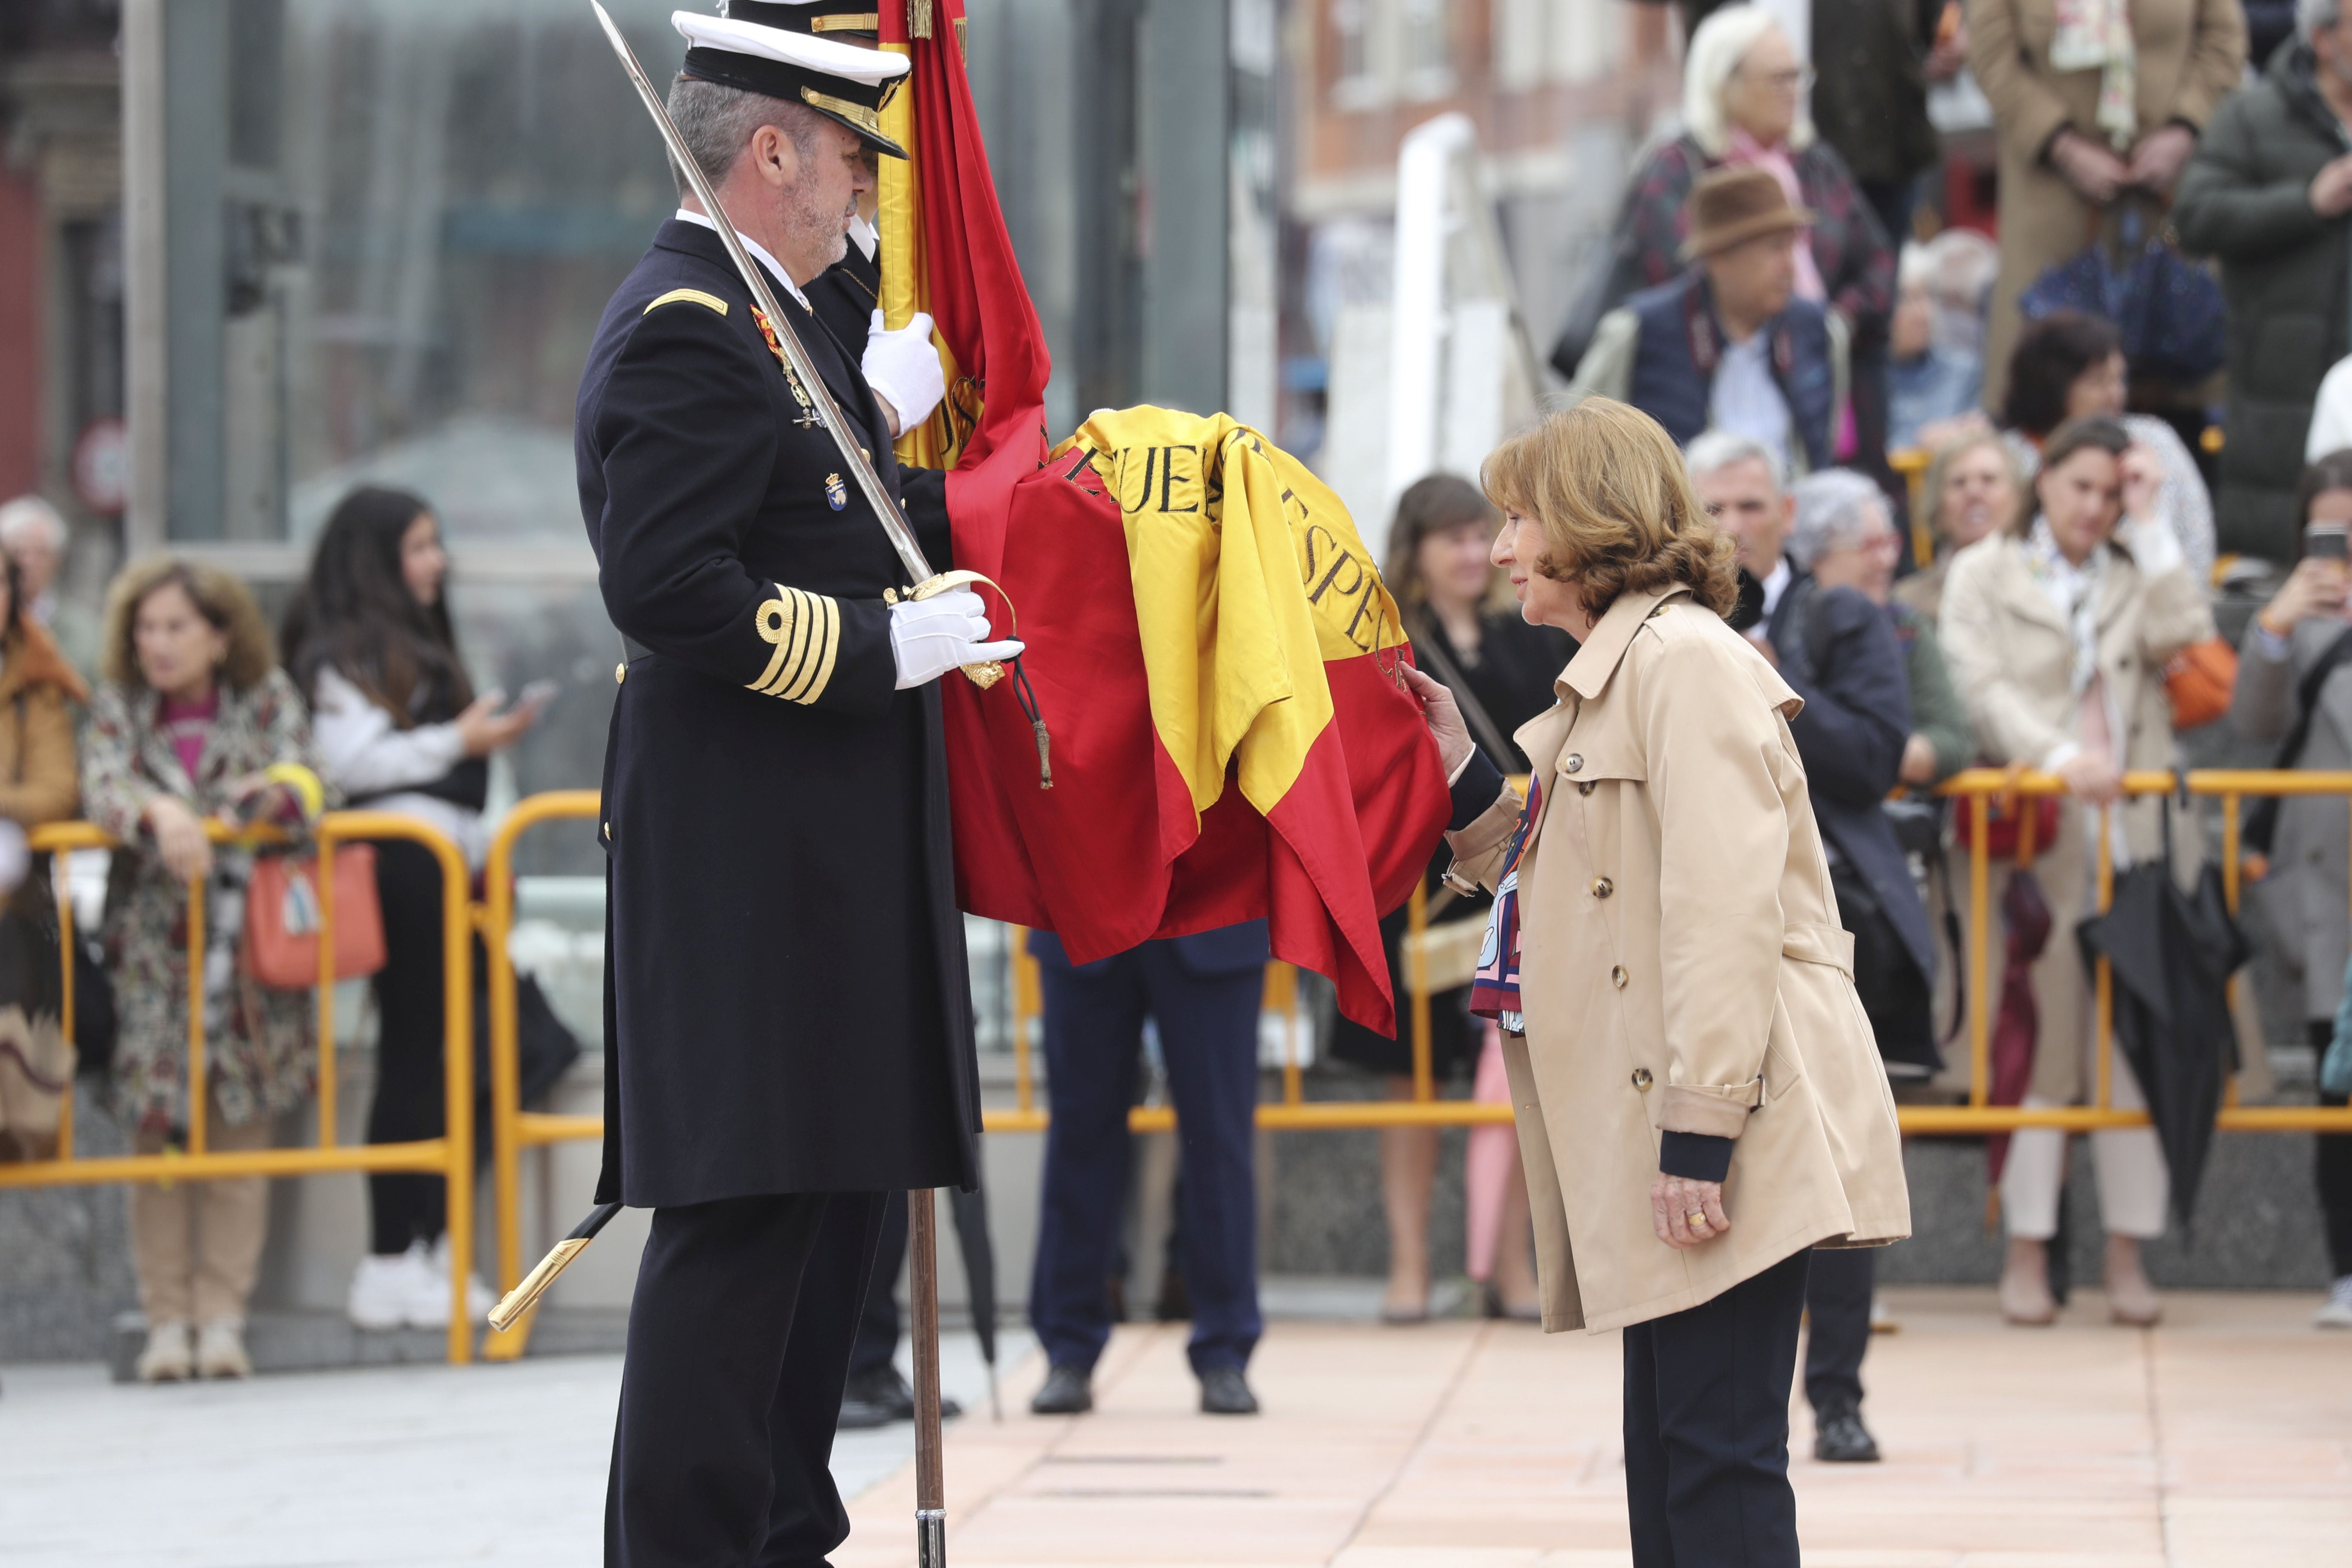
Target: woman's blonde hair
x,y
1608,487
220,598
1932,486
1714,53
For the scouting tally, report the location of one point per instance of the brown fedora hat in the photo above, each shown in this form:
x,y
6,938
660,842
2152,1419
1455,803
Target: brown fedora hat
x,y
1728,206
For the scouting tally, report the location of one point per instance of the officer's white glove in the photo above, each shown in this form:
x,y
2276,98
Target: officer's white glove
x,y
904,367
931,636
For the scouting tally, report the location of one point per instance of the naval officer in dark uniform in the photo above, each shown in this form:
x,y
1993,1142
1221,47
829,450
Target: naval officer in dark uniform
x,y
788,1009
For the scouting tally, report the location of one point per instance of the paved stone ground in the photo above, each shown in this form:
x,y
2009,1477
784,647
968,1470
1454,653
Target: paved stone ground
x,y
2222,1438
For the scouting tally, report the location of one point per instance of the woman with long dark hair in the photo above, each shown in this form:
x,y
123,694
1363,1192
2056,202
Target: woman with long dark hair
x,y
1500,669
399,728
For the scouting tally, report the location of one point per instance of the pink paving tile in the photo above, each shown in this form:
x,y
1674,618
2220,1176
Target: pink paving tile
x,y
2229,1428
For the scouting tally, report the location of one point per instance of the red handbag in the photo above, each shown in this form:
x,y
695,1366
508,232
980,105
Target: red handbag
x,y
281,919
2016,825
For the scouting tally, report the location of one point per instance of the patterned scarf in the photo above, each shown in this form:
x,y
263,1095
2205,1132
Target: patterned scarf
x,y
1495,990
1775,160
2095,35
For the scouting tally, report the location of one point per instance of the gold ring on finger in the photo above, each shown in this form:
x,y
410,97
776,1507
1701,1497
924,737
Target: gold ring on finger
x,y
1696,1216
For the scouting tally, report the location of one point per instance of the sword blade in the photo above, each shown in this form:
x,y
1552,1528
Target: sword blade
x,y
894,522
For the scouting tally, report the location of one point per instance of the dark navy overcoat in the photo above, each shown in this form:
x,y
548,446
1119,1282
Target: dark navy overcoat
x,y
788,1007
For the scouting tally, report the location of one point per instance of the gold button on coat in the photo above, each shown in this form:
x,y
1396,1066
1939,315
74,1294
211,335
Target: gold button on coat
x,y
620,673
1641,1079
1603,887
1575,764
1617,976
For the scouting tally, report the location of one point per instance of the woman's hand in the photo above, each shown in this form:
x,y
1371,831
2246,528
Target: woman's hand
x,y
1684,1212
482,728
2095,173
180,838
2159,157
2093,776
2143,475
1918,761
2317,586
1444,716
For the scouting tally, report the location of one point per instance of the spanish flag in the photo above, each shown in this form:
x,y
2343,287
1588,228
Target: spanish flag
x,y
1209,640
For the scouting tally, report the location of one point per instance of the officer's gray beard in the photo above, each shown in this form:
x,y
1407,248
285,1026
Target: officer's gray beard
x,y
815,226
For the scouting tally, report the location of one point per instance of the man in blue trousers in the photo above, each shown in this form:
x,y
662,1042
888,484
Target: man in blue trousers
x,y
1205,991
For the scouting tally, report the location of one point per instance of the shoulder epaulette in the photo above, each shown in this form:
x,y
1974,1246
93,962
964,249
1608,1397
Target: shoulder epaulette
x,y
697,295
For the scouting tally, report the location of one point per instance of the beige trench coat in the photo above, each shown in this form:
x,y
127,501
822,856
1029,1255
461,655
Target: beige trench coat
x,y
1682,969
2190,55
2013,661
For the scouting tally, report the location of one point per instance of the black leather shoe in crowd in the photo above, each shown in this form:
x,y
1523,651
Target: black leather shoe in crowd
x,y
879,1398
1841,1438
1226,1392
1068,1391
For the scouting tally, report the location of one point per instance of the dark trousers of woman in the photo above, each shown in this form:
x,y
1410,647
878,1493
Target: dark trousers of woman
x,y
2333,1170
412,1016
1707,1427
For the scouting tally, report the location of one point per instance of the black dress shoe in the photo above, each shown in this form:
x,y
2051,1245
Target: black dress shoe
x,y
1841,1438
879,1396
1068,1391
1226,1392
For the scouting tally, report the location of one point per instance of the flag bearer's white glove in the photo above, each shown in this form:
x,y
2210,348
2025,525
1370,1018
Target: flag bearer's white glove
x,y
904,367
931,636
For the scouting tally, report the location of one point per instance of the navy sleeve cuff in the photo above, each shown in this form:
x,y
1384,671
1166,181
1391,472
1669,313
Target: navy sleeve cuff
x,y
1694,1156
1474,791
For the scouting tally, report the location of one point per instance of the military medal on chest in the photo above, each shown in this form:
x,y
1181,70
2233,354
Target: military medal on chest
x,y
837,494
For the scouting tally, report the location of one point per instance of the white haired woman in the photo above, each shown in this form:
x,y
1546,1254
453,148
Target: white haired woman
x,y
35,538
1744,102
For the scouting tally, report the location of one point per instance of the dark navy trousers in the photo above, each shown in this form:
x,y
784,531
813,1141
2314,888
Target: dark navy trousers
x,y
1204,992
738,1349
1707,1427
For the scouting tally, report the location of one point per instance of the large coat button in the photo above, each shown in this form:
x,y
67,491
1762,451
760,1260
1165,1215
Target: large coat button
x,y
1641,1079
1603,887
1575,764
1617,976
1587,786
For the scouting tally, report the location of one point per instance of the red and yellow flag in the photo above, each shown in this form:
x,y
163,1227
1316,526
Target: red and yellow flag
x,y
1210,643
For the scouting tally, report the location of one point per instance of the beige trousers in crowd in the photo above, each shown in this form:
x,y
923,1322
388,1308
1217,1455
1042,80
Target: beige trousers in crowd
x,y
196,1245
2134,1184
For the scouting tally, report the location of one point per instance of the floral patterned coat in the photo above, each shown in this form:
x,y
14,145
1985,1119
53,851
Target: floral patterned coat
x,y
259,1046
1856,264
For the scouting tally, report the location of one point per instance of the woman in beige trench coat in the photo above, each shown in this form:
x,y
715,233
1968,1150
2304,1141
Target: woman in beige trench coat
x,y
2057,630
1698,1097
2072,139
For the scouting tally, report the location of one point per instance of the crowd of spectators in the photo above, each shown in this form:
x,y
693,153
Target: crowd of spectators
x,y
1772,298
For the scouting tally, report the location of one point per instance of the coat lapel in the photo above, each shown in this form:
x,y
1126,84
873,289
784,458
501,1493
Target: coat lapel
x,y
2022,593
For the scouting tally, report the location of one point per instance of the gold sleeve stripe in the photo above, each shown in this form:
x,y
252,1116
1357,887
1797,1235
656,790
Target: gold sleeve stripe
x,y
804,629
694,295
824,641
863,22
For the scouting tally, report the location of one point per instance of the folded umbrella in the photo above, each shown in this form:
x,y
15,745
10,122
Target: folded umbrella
x,y
2172,954
2018,1023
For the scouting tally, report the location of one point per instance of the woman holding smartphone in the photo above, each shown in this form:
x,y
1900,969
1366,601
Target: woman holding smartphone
x,y
2294,691
399,728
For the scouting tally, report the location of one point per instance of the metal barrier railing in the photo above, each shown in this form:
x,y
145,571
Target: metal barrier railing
x,y
449,1156
515,1129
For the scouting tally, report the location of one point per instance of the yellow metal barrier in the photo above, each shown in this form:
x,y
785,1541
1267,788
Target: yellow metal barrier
x,y
515,1130
450,1156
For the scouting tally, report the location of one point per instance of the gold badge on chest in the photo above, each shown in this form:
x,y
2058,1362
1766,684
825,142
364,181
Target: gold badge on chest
x,y
837,494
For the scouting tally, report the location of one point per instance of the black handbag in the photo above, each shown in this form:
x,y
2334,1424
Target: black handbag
x,y
1895,995
544,1046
